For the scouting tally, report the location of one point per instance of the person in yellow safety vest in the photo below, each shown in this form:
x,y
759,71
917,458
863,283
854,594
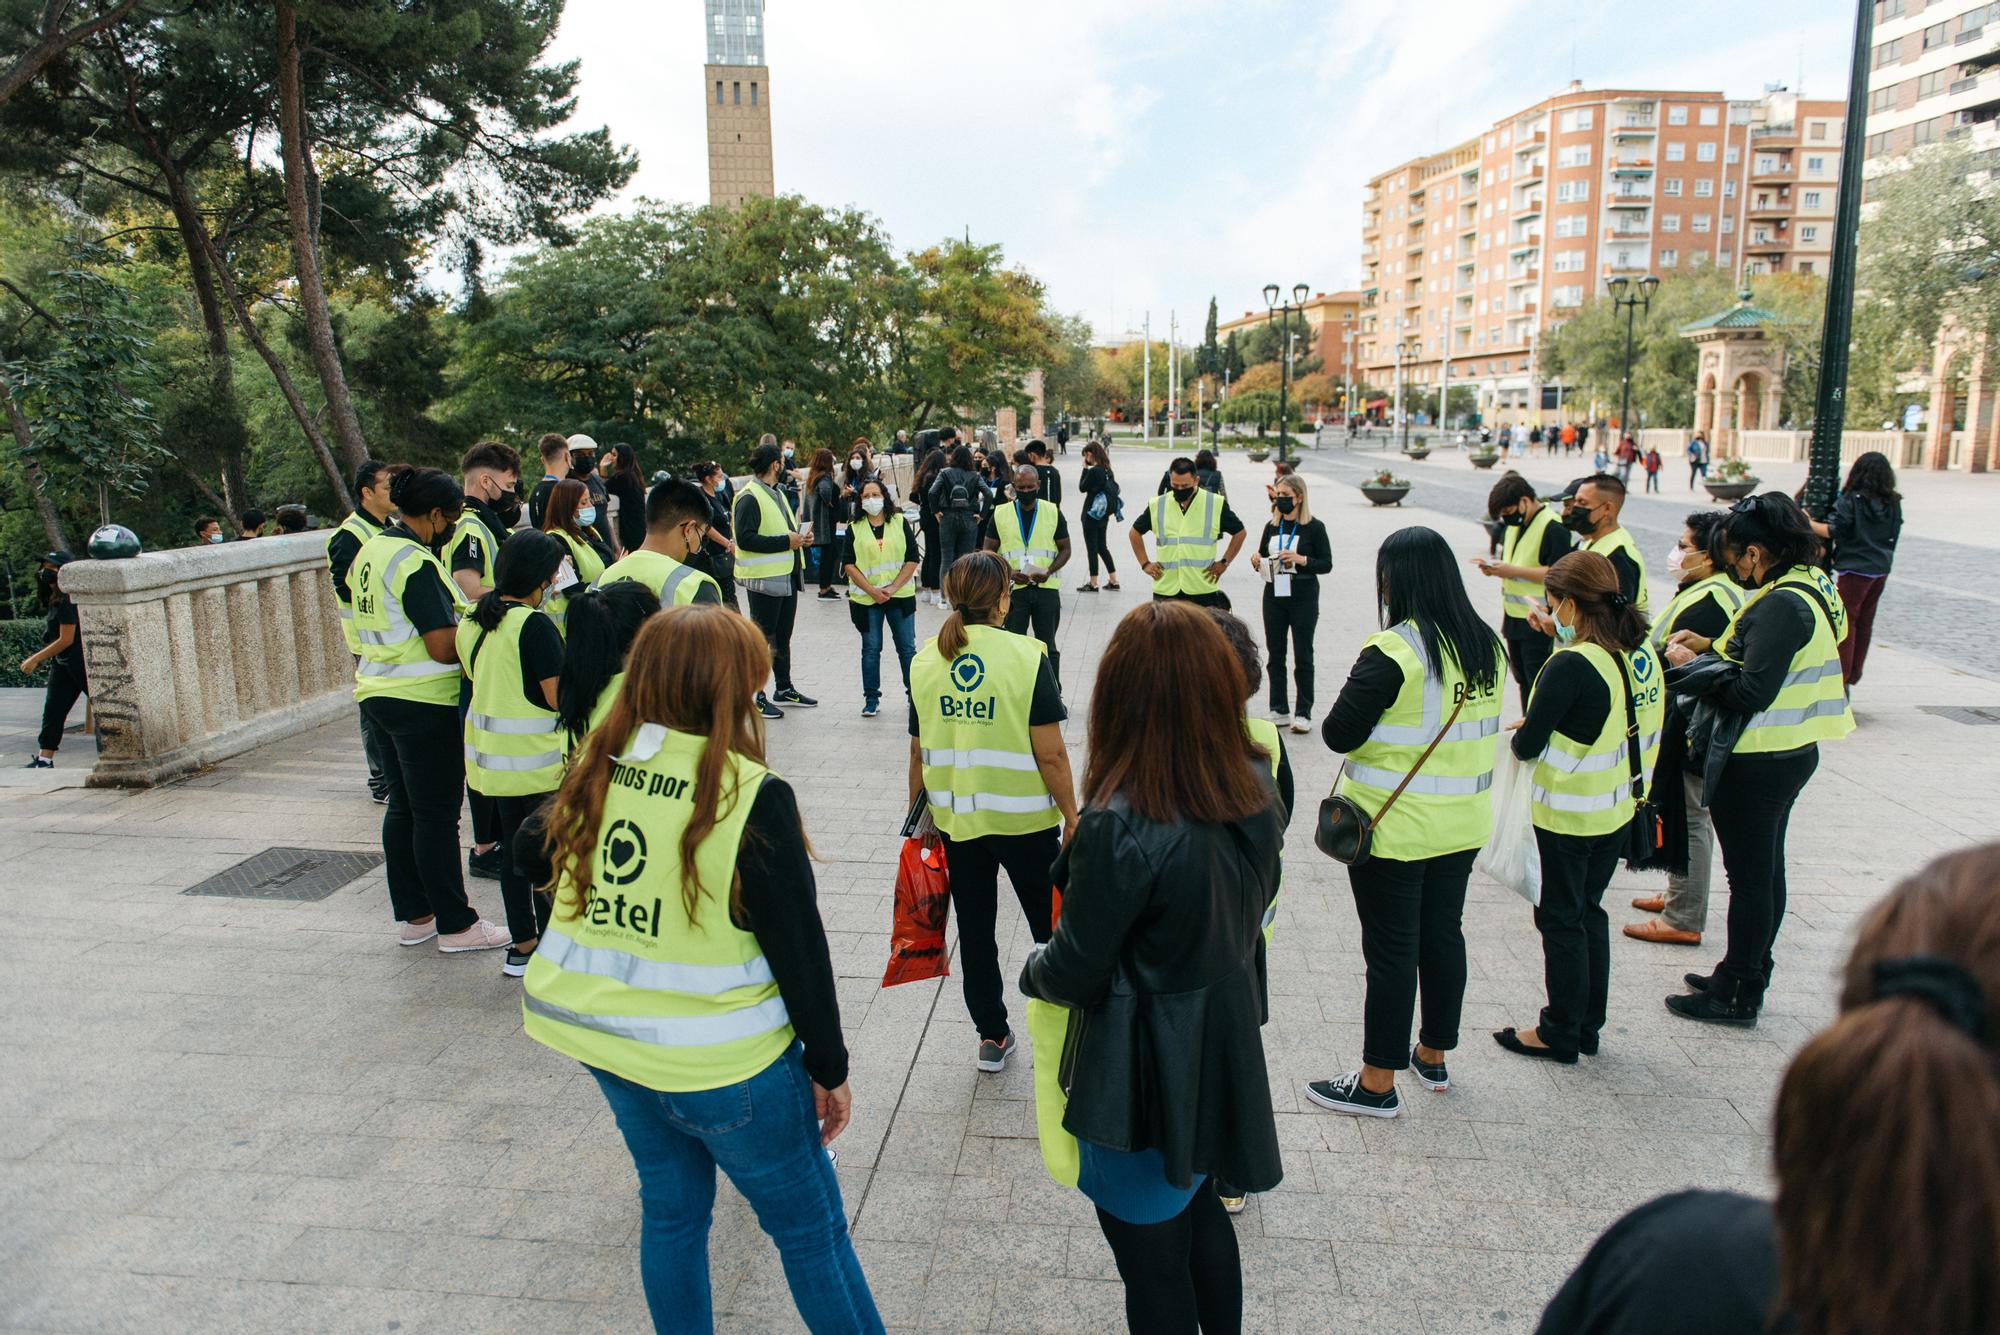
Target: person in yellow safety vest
x,y
1535,540
492,477
768,567
585,558
371,515
1187,522
1592,733
686,967
603,622
405,619
1032,537
1432,674
514,752
1270,741
1591,507
1779,669
1704,601
986,750
881,558
676,521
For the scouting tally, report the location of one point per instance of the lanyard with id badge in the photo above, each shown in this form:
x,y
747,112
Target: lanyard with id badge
x,y
1286,540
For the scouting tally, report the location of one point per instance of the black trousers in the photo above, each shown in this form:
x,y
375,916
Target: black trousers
x,y
1576,934
974,867
958,535
1294,618
423,758
775,616
1182,1275
527,911
1037,612
1411,934
1095,548
66,684
927,569
1752,808
1527,650
1216,599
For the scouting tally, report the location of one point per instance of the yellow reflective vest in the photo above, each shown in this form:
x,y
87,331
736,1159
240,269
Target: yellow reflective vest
x,y
470,527
1184,541
1034,548
1812,704
589,566
881,557
1724,591
676,582
362,530
631,985
394,661
978,762
513,746
1448,806
1265,733
1587,790
1620,540
774,516
1522,546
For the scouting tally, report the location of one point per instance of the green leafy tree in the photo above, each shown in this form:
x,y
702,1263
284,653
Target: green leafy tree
x,y
1208,357
1233,363
1930,251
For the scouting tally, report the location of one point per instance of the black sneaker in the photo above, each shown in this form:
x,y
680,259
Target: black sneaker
x,y
829,593
766,708
1716,1006
1345,1094
790,696
1698,982
993,1053
516,962
1431,1075
871,709
380,799
486,864
39,762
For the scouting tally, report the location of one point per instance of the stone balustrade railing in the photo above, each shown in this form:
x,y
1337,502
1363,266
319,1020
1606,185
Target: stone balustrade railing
x,y
200,653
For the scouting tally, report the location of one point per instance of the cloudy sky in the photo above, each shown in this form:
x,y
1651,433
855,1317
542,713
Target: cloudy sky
x,y
1143,154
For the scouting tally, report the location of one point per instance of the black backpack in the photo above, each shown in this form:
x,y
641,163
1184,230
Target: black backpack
x,y
960,496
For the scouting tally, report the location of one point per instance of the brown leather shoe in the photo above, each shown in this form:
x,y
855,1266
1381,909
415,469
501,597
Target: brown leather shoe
x,y
1650,903
1657,931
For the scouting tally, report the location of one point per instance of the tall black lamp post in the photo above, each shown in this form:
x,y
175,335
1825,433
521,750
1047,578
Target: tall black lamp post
x,y
1283,313
1640,298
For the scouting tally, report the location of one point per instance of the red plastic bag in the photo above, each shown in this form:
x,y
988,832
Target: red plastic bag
x,y
923,901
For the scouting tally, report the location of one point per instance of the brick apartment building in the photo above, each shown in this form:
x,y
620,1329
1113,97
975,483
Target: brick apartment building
x,y
1330,317
1473,251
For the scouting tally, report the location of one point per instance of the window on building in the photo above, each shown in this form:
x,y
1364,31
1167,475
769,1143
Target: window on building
x,y
1808,235
753,93
1704,188
1704,152
1934,36
1888,52
1729,189
1677,115
1700,222
1670,222
718,92
1728,224
1818,130
1887,9
1711,115
1670,186
1677,152
1805,266
736,93
1669,258
1812,199
1926,132
1816,166
1930,85
719,31
1766,163
1883,98
1732,155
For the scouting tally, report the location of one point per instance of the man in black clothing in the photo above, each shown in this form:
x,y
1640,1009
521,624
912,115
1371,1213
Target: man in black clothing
x,y
62,650
554,450
773,600
1591,510
1045,470
1033,607
583,468
492,480
251,525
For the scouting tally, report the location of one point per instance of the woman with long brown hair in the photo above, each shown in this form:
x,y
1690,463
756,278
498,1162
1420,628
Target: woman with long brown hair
x,y
1160,951
987,754
827,516
1888,1162
1100,506
564,518
685,966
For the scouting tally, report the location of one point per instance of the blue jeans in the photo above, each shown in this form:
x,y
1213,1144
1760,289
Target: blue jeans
x,y
903,626
764,1135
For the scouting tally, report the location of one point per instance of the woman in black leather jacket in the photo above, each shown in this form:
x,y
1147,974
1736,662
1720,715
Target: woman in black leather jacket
x,y
1160,950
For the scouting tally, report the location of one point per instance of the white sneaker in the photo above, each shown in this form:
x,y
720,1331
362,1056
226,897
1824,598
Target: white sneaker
x,y
415,934
482,935
1301,723
1281,714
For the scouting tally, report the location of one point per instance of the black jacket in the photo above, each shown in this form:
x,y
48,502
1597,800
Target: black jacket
x,y
1865,529
1160,946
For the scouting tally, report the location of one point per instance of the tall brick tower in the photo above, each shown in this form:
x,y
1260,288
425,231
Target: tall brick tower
x,y
738,92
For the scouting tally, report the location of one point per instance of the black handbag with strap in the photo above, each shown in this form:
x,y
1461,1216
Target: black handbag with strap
x,y
1345,832
1645,837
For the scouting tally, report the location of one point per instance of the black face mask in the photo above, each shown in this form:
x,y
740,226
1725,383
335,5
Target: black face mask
x,y
1514,520
1578,520
1283,505
506,507
1184,495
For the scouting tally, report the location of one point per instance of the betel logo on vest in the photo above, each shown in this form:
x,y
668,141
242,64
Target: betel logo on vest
x,y
968,673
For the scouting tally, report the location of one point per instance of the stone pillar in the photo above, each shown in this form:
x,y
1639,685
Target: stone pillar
x,y
1704,409
198,654
1767,417
1978,407
1008,425
1037,422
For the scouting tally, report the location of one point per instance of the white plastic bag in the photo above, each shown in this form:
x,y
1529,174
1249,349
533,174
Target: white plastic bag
x,y
1511,856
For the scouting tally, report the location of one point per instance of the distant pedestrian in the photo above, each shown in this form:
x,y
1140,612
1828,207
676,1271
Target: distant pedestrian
x,y
1652,462
1101,505
1292,553
207,529
1697,457
1600,461
959,499
62,650
1568,437
1534,439
824,517
627,491
1866,522
291,519
1627,454
1583,439
930,462
554,449
250,525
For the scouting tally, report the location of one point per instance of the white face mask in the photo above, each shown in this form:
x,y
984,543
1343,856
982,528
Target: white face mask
x,y
586,515
855,463
872,504
1676,562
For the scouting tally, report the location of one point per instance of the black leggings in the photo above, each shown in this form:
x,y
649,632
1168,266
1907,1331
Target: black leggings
x,y
1095,547
1183,1275
423,758
65,685
527,910
1752,807
974,865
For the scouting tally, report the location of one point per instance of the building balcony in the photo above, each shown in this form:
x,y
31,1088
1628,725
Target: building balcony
x,y
1531,274
1777,173
1775,208
1634,200
1637,167
1769,245
1619,268
1530,174
1530,207
1641,130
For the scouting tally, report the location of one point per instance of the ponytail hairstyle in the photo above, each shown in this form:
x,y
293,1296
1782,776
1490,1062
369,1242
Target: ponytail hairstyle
x,y
1887,1157
1603,616
599,628
695,669
976,585
525,562
426,491
1773,521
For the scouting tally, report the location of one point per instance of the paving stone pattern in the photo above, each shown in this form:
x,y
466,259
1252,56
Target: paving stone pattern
x,y
228,1114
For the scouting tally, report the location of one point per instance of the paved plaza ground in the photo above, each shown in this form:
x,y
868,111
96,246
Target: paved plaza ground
x,y
233,1114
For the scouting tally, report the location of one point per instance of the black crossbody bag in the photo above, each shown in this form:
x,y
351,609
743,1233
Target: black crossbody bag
x,y
1646,836
1345,832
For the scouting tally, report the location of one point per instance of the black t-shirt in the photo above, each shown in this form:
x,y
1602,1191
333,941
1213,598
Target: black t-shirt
x,y
62,613
1702,1261
1230,523
1628,573
988,532
912,552
538,500
1051,483
1046,706
428,601
472,554
1704,616
541,656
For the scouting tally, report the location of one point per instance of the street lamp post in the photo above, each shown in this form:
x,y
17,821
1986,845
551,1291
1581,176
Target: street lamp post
x,y
1641,298
1284,315
1402,422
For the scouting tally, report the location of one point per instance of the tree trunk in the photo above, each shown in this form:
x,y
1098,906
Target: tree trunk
x,y
54,41
31,468
305,243
215,326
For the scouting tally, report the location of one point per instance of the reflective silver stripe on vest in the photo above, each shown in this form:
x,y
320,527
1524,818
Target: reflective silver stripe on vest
x,y
1519,600
345,611
512,727
1782,718
1818,672
511,764
877,574
1207,522
427,669
697,1031
964,804
704,980
1270,914
1390,734
1433,785
1602,760
681,573
1575,803
980,755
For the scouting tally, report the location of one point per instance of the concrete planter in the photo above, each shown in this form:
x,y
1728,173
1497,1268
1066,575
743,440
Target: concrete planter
x,y
1484,458
1417,452
1384,495
1733,491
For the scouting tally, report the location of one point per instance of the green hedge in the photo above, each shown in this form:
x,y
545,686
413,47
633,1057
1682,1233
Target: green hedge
x,y
18,639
